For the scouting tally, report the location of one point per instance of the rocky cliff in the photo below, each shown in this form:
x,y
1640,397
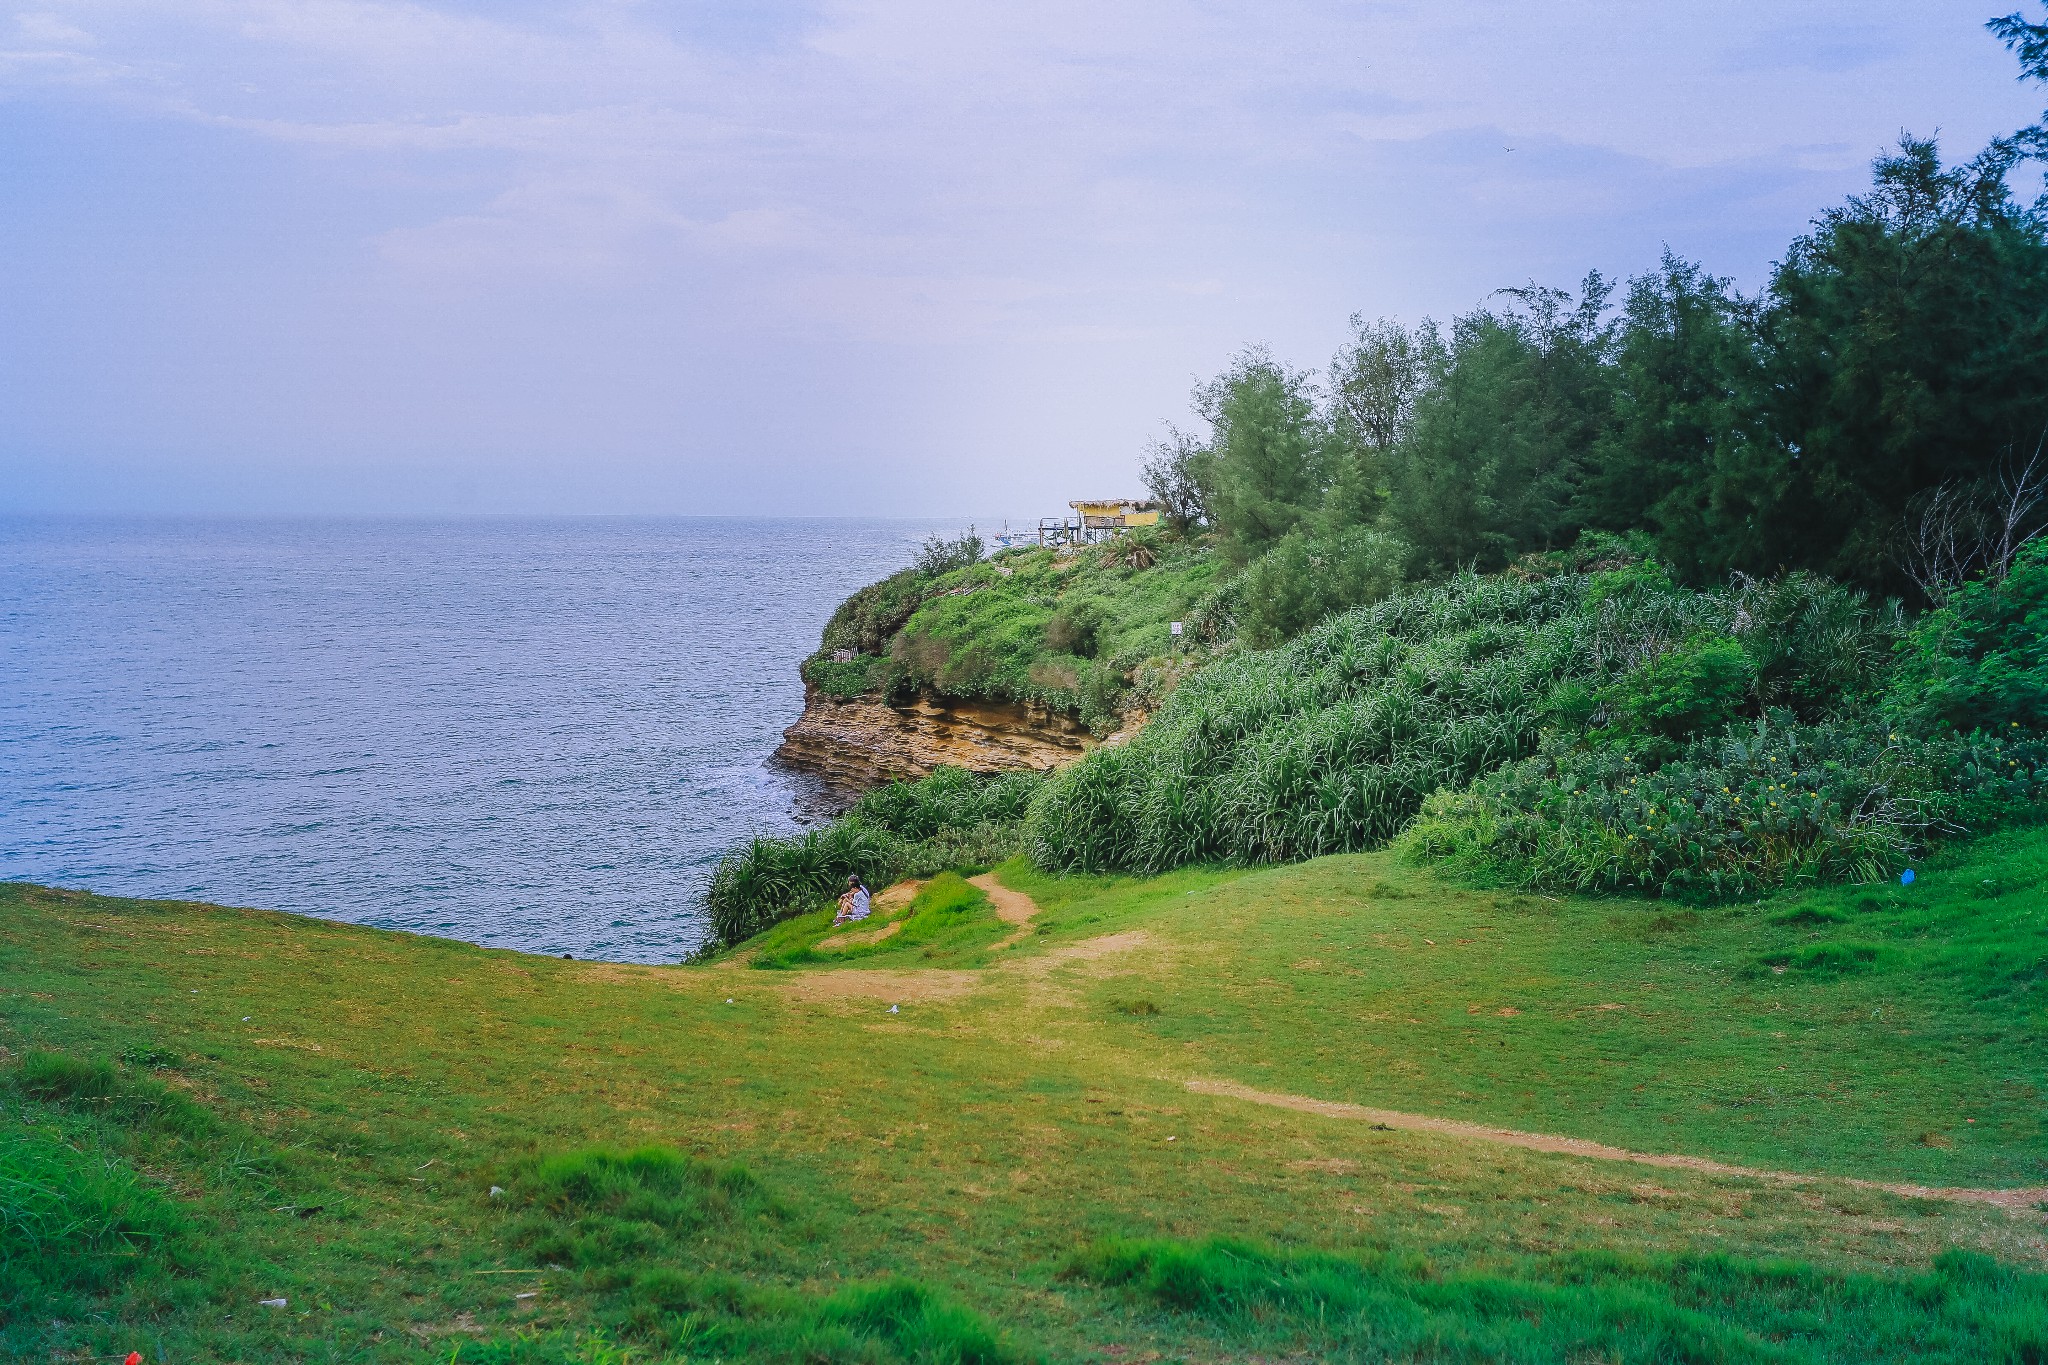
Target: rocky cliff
x,y
858,744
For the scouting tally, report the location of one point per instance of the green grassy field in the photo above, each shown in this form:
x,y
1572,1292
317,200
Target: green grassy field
x,y
1012,1165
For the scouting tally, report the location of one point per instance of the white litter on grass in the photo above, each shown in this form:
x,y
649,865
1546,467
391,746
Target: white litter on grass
x,y
728,1000
497,1191
892,1009
529,1294
270,1303
1173,1139
245,1018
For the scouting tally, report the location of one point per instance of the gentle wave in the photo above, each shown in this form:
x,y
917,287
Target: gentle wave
x,y
529,733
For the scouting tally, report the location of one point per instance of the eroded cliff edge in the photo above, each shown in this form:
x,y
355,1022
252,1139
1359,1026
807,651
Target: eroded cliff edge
x,y
867,741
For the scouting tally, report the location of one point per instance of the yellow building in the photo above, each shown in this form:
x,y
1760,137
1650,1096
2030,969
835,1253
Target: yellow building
x,y
1117,514
1097,519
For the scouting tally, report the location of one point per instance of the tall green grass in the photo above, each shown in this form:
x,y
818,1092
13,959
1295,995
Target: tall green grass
x,y
1331,744
1580,722
895,1321
1629,1310
633,1223
597,1206
74,1219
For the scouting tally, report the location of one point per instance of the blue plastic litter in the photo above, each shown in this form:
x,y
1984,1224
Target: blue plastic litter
x,y
1906,877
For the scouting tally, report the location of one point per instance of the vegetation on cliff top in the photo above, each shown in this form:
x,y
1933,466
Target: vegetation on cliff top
x,y
1584,723
1082,630
1859,442
1874,414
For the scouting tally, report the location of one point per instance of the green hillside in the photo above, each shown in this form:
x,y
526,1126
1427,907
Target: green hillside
x,y
1580,894
1112,1139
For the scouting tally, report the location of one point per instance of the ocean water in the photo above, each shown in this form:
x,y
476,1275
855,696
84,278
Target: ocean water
x,y
528,733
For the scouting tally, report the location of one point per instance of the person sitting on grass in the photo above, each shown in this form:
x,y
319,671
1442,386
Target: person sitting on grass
x,y
853,902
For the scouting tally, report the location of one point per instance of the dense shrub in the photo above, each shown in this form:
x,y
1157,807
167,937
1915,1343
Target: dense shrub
x,y
939,556
1980,661
1305,578
950,799
1700,683
1075,628
1070,629
1064,629
1753,807
865,622
1580,721
1327,745
845,679
1332,743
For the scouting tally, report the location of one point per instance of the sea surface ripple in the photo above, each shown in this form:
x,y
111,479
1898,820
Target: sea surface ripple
x,y
527,733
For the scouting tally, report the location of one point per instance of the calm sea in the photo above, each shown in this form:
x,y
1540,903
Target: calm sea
x,y
530,733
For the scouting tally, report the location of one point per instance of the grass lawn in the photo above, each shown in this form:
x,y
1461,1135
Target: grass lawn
x,y
948,923
1011,1164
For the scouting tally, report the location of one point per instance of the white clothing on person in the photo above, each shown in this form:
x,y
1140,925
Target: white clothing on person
x,y
853,905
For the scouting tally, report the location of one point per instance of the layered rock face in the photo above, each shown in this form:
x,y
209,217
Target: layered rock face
x,y
859,744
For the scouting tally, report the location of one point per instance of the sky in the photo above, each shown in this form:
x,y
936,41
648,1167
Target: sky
x,y
898,258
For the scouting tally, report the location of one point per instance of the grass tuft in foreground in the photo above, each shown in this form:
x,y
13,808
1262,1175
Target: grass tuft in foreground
x,y
1630,1310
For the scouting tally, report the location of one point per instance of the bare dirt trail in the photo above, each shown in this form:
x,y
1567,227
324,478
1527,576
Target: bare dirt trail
x,y
1012,907
2013,1201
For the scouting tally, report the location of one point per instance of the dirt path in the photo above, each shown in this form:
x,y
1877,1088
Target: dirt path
x,y
1012,907
2013,1201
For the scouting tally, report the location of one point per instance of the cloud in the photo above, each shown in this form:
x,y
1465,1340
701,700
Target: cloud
x,y
1833,47
957,207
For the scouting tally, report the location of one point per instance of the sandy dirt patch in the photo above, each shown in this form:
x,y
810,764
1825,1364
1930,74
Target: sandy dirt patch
x,y
851,938
855,983
1086,950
